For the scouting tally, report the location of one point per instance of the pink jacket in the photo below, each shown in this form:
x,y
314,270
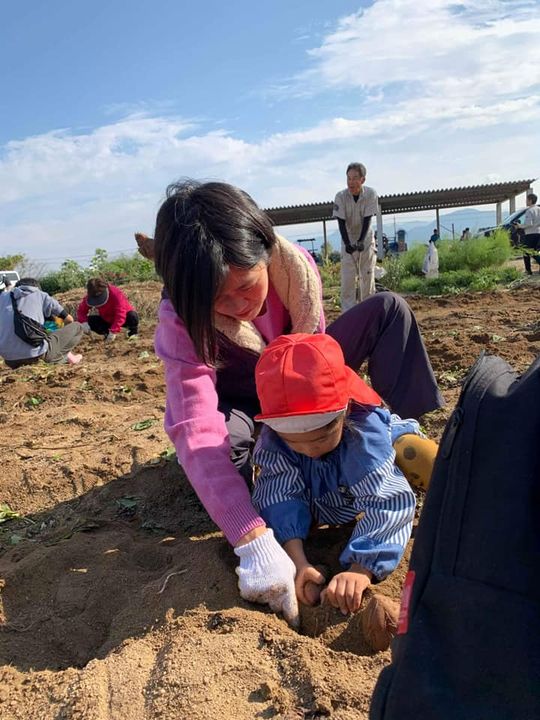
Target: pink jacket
x,y
114,311
197,428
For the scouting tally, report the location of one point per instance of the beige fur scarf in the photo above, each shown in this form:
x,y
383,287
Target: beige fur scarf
x,y
297,286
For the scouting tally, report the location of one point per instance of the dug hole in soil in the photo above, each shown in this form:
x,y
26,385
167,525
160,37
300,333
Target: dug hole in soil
x,y
118,595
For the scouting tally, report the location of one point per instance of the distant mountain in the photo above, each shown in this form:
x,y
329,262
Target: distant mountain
x,y
420,232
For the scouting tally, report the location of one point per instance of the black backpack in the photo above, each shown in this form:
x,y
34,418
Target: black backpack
x,y
28,329
468,644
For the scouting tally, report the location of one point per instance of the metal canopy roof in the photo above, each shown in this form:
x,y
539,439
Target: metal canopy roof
x,y
408,202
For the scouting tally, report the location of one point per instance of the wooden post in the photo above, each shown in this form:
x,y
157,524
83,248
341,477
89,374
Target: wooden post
x,y
380,244
438,222
325,242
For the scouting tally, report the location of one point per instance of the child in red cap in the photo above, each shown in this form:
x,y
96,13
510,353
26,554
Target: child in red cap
x,y
326,454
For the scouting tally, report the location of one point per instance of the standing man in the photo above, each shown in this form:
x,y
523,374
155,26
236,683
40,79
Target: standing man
x,y
354,208
435,237
531,231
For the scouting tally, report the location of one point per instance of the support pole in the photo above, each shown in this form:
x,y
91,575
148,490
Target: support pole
x,y
325,242
438,222
498,213
380,244
512,204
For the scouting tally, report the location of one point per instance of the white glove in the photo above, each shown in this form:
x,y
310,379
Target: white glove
x,y
111,337
86,327
266,575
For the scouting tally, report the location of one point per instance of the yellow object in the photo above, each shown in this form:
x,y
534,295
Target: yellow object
x,y
59,322
415,457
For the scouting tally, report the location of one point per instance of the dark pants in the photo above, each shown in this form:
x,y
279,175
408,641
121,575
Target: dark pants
x,y
102,327
382,330
531,242
60,343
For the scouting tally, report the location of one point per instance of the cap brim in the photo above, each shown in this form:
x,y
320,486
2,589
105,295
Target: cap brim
x,y
97,300
360,391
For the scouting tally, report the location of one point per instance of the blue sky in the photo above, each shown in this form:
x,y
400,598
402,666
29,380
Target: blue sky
x,y
103,105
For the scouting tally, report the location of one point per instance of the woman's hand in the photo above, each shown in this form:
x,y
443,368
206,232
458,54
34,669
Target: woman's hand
x,y
145,245
345,590
266,575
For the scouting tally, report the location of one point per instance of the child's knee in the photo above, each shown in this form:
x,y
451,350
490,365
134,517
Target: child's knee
x,y
415,457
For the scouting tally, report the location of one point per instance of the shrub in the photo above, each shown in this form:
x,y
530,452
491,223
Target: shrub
x,y
70,275
479,252
395,273
456,281
464,259
121,270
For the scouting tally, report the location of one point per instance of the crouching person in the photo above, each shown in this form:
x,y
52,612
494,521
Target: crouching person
x,y
113,308
23,337
325,456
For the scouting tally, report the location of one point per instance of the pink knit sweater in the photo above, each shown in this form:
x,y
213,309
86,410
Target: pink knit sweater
x,y
197,428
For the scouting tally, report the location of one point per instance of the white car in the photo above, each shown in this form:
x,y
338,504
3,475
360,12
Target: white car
x,y
8,278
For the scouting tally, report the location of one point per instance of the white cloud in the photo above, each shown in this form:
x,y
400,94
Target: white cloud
x,y
468,51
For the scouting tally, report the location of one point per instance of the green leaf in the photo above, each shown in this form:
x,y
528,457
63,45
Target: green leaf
x,y
15,539
6,513
143,425
143,355
168,454
34,401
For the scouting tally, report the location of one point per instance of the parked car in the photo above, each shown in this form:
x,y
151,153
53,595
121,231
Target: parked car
x,y
510,223
8,278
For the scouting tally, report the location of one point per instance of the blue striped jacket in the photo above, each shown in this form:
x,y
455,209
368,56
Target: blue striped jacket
x,y
359,477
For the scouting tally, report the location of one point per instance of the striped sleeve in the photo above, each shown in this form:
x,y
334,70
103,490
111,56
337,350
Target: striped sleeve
x,y
280,496
380,536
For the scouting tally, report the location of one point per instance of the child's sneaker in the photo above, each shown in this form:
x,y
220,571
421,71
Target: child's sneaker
x,y
73,358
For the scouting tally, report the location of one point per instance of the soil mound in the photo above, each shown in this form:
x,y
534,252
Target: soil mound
x,y
118,595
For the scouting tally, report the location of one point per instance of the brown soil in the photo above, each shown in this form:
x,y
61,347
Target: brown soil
x,y
118,595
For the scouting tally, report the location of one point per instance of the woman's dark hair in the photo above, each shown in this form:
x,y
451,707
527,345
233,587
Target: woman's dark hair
x,y
28,282
202,229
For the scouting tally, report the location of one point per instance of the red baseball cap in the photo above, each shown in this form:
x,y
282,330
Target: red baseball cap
x,y
305,374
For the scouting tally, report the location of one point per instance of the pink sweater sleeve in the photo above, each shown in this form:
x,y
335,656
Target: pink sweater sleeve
x,y
198,430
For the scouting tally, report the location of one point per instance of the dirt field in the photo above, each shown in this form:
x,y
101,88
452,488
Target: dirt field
x,y
117,594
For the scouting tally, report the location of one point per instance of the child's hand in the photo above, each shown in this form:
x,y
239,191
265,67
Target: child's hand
x,y
309,583
345,590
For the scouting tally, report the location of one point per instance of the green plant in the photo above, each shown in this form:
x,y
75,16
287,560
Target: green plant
x,y
456,281
395,272
70,275
33,401
10,262
6,513
123,269
142,425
